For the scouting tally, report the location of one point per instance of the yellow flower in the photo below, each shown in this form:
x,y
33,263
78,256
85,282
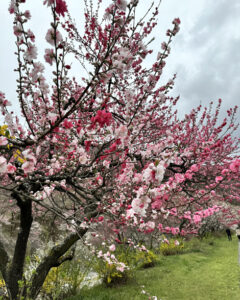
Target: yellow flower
x,y
2,284
19,157
3,130
17,153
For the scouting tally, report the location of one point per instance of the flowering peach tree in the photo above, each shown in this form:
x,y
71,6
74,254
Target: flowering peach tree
x,y
106,147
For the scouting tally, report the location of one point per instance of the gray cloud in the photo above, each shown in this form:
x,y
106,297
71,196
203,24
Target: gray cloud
x,y
207,56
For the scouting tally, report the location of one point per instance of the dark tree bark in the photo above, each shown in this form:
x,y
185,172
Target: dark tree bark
x,y
15,270
54,259
4,259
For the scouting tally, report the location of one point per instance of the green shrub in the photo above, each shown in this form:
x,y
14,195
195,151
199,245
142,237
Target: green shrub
x,y
110,269
3,289
63,281
171,247
119,265
145,259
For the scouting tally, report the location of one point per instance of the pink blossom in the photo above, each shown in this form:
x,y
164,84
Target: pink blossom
x,y
130,213
99,179
197,219
213,193
188,175
140,204
176,243
175,230
27,14
167,229
100,254
179,178
183,232
61,7
11,169
149,226
37,71
28,154
194,168
31,35
49,56
83,156
187,215
112,248
3,141
159,172
173,211
17,30
234,166
218,179
121,131
52,117
121,4
3,164
120,268
31,52
157,203
224,171
48,2
28,166
48,190
51,37
12,7
106,163
149,173
166,241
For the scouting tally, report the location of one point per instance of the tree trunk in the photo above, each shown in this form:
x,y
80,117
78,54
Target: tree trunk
x,y
12,270
238,236
4,259
14,273
239,251
54,259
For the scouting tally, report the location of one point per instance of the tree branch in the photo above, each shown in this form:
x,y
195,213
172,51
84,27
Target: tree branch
x,y
52,260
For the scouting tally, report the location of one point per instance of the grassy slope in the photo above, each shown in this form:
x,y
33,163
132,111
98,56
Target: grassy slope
x,y
210,274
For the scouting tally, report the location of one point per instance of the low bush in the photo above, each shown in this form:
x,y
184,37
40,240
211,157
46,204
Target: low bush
x,y
113,264
3,290
68,278
145,258
62,281
172,247
117,264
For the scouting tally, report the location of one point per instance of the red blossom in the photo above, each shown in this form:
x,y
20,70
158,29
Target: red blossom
x,y
87,145
67,124
102,117
61,7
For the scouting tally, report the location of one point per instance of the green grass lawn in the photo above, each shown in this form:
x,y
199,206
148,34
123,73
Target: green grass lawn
x,y
209,272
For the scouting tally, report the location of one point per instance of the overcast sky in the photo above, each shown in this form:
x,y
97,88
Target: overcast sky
x,y
205,53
